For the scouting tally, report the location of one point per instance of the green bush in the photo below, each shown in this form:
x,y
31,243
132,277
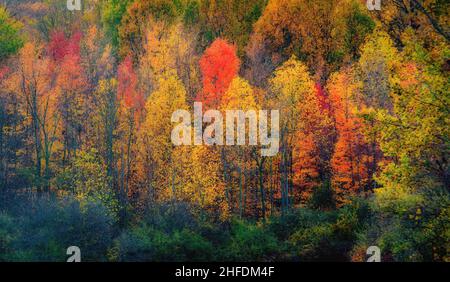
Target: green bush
x,y
167,232
419,233
8,234
311,244
145,243
284,226
46,229
249,242
10,39
323,198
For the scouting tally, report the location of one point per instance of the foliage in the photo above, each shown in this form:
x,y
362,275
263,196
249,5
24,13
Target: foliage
x,y
86,105
250,242
111,17
86,179
219,65
10,39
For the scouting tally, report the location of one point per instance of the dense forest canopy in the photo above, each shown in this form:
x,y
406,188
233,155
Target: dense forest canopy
x,y
86,158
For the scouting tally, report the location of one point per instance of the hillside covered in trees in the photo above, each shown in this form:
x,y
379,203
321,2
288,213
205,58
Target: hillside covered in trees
x,y
86,157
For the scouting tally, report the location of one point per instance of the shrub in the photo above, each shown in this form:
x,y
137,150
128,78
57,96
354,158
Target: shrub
x,y
168,232
145,243
49,227
419,233
284,226
170,216
8,234
249,242
87,180
322,198
314,243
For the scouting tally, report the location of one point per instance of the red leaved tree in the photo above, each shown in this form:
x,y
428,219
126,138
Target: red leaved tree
x,y
127,89
219,65
69,85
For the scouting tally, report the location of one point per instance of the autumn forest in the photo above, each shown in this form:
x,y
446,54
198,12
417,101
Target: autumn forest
x,y
87,160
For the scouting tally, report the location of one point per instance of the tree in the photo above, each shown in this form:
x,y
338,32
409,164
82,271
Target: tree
x,y
131,102
428,18
159,159
354,21
204,185
31,82
239,162
10,39
349,166
311,32
293,93
305,166
134,23
69,87
414,135
376,69
13,139
87,180
97,58
112,12
350,159
167,49
219,65
127,90
232,20
106,123
53,15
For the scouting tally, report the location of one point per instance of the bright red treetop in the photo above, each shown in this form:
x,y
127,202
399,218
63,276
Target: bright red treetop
x,y
66,60
127,85
59,46
219,65
65,66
